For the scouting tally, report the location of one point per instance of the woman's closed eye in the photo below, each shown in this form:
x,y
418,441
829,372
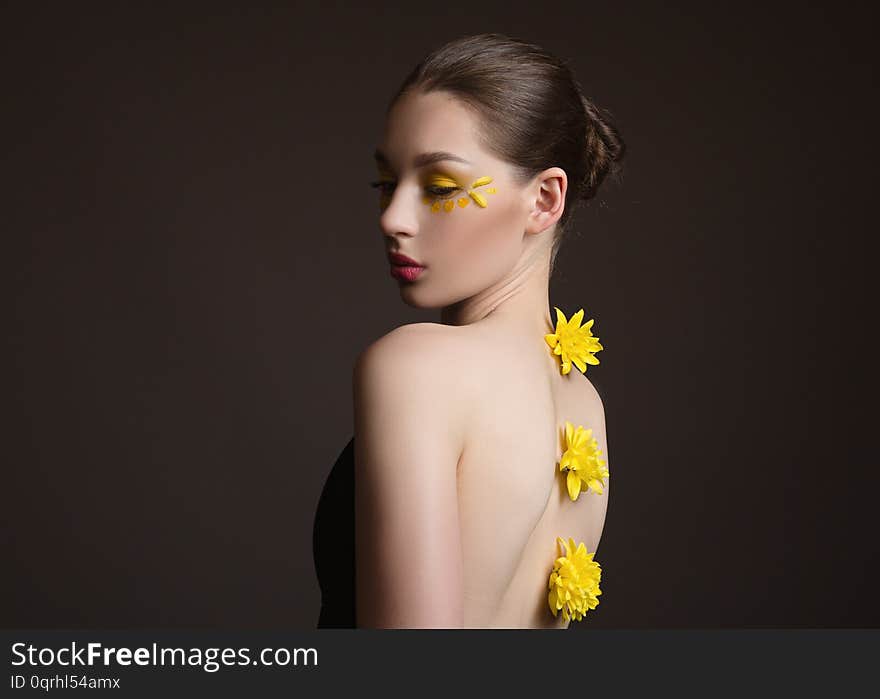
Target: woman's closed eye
x,y
387,186
441,186
440,191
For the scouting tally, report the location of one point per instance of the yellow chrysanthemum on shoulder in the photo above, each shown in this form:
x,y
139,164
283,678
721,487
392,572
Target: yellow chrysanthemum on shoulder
x,y
574,582
581,461
573,342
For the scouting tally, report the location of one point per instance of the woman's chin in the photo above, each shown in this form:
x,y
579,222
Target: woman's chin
x,y
413,299
416,297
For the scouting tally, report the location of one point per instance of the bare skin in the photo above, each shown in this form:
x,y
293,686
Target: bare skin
x,y
458,424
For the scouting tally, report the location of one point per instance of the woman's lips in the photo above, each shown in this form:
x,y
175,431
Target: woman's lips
x,y
407,273
403,267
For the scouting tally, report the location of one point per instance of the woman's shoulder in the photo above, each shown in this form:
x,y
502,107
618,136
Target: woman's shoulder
x,y
440,348
460,367
415,334
428,357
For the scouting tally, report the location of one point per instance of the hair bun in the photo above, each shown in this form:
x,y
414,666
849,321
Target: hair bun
x,y
604,148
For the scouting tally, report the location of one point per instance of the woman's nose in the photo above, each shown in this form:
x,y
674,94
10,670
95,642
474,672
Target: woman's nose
x,y
398,215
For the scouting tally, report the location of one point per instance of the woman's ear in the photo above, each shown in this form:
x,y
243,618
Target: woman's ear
x,y
547,199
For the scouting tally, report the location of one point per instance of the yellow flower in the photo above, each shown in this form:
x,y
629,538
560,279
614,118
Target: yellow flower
x,y
574,582
573,342
581,460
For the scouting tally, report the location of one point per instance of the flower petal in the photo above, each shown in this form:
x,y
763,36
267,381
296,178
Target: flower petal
x,y
573,483
560,318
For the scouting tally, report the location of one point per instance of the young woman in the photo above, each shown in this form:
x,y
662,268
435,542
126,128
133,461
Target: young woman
x,y
474,491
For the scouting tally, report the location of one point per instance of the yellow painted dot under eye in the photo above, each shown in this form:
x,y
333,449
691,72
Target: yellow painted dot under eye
x,y
426,200
435,207
449,205
463,202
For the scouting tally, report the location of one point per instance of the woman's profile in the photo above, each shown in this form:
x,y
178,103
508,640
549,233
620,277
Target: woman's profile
x,y
473,493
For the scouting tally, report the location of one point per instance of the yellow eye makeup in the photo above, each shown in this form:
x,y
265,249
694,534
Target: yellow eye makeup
x,y
441,182
439,188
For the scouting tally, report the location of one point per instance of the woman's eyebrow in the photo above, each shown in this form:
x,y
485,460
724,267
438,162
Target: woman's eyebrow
x,y
424,158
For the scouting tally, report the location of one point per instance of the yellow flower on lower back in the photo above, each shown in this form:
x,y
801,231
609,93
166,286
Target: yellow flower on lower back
x,y
574,582
581,461
573,342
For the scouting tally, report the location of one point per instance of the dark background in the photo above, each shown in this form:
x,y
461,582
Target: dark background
x,y
194,262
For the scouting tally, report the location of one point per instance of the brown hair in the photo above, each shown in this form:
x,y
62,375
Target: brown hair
x,y
538,114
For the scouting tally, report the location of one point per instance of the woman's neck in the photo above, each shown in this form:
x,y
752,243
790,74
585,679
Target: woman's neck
x,y
520,301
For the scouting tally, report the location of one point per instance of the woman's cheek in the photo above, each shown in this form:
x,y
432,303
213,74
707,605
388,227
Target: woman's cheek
x,y
473,254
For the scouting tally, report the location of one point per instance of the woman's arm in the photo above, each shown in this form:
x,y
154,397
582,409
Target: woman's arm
x,y
408,439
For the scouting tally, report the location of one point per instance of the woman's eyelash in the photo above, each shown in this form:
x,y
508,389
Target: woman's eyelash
x,y
436,191
441,191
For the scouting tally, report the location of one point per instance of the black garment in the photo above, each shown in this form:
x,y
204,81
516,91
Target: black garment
x,y
333,544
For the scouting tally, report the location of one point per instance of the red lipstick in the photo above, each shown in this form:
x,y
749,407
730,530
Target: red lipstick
x,y
403,267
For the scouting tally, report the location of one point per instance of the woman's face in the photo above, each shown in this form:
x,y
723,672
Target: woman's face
x,y
462,219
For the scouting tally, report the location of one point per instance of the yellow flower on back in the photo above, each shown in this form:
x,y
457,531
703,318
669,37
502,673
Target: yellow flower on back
x,y
573,342
574,582
581,460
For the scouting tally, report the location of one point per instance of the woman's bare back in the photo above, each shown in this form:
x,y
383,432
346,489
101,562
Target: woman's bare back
x,y
512,497
489,501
